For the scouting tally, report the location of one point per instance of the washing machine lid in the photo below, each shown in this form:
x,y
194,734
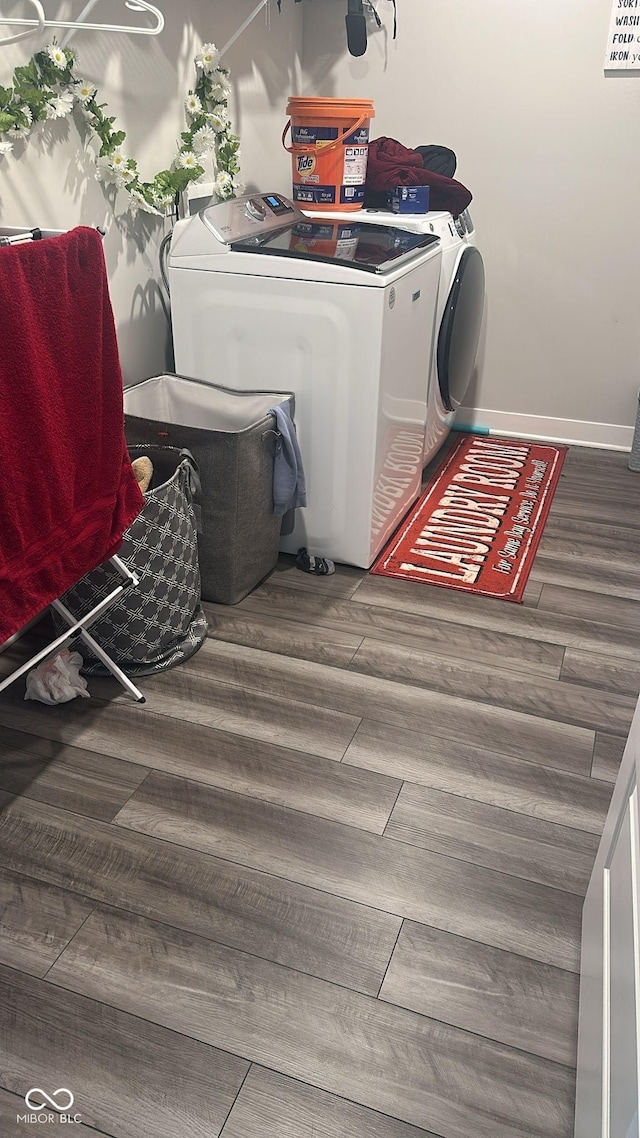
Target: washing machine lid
x,y
365,245
234,237
438,222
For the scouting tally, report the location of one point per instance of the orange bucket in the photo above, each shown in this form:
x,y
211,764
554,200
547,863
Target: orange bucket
x,y
329,149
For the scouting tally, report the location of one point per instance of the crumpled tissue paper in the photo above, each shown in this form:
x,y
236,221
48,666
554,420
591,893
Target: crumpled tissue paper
x,y
58,679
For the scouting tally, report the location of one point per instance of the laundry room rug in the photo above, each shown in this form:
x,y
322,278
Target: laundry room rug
x,y
478,524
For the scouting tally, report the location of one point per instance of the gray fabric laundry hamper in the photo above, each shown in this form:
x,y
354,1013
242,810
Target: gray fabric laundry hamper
x,y
232,437
160,623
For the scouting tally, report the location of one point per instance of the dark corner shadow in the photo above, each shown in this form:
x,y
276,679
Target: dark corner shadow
x,y
28,747
145,338
473,392
149,301
23,756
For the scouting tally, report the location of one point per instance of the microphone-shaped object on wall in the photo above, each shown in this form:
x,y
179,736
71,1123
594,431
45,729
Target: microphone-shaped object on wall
x,y
356,27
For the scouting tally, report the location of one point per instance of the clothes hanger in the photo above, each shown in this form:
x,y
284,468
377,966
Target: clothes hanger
x,y
126,29
243,27
35,25
138,6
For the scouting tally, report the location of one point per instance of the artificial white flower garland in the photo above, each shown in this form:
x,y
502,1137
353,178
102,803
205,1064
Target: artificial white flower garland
x,y
48,87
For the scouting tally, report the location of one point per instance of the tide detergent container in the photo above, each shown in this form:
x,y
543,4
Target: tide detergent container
x,y
329,150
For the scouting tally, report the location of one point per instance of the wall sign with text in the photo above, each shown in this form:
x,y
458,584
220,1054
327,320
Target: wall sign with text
x,y
623,46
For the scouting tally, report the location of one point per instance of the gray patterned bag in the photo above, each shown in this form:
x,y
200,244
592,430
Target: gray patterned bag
x,y
160,623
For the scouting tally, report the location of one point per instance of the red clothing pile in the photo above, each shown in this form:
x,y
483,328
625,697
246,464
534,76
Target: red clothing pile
x,y
391,164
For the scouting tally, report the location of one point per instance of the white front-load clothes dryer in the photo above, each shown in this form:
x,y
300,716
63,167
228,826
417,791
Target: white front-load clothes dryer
x,y
459,312
342,314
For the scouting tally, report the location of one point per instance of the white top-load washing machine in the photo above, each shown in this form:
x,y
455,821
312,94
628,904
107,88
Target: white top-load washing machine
x,y
341,314
458,316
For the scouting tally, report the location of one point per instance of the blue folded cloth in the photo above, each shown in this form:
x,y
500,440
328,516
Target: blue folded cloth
x,y
289,486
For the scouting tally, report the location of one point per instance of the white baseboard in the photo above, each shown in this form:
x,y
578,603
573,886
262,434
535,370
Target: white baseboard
x,y
607,436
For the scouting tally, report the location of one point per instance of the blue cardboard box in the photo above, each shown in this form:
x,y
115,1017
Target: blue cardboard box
x,y
409,199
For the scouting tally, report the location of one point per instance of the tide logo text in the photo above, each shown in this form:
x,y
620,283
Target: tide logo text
x,y
306,164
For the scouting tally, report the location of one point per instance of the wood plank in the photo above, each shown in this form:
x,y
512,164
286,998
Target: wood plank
x,y
549,699
122,1071
607,756
497,994
606,544
592,460
498,839
495,616
453,895
584,605
532,592
11,1106
219,758
76,779
309,930
599,496
36,921
603,493
588,466
606,480
573,573
11,740
483,776
273,1106
342,583
584,504
372,697
275,719
596,670
441,637
271,634
392,1060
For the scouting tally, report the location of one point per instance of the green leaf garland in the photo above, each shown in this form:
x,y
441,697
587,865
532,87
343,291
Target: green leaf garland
x,y
49,87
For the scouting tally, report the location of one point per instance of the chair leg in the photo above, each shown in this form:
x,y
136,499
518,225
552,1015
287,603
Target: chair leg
x,y
103,656
79,628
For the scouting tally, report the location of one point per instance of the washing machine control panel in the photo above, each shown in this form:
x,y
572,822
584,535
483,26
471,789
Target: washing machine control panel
x,y
253,215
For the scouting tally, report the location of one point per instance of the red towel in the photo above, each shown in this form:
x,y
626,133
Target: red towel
x,y
391,164
67,491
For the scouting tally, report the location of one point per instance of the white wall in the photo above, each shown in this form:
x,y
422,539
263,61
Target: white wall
x,y
548,146
545,141
144,79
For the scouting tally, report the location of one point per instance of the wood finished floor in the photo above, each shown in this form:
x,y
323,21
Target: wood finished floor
x,y
328,880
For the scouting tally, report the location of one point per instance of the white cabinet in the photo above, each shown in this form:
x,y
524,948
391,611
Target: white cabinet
x,y
608,1051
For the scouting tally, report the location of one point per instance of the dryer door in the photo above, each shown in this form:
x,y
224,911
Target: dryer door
x,y
460,329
